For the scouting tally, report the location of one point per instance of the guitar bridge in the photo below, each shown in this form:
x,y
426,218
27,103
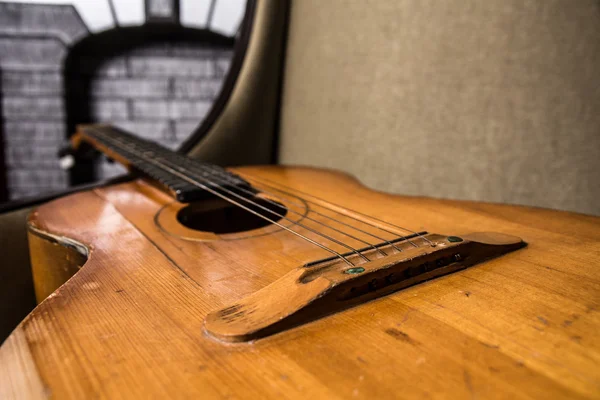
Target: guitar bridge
x,y
331,285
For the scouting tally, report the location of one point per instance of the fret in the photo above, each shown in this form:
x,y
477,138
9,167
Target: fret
x,y
138,154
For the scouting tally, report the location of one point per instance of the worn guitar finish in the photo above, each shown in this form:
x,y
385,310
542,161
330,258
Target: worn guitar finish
x,y
324,287
132,322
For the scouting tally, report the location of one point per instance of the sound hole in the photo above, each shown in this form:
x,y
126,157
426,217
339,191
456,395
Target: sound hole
x,y
221,217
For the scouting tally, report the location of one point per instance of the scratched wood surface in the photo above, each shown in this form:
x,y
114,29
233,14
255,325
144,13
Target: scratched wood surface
x,y
129,324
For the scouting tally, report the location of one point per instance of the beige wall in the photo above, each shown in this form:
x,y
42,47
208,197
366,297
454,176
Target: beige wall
x,y
495,100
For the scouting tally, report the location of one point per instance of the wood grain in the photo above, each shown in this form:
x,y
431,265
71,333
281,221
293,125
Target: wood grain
x,y
53,261
129,324
322,288
15,355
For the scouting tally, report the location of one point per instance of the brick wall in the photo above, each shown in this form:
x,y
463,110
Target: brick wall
x,y
161,91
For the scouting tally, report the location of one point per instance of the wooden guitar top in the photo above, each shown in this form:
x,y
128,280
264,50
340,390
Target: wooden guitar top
x,y
131,322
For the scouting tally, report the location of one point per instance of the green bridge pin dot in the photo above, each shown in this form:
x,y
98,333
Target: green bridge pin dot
x,y
356,270
454,239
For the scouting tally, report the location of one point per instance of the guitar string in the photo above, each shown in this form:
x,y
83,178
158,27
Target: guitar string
x,y
264,180
218,172
317,212
216,193
226,179
221,176
268,210
245,199
222,196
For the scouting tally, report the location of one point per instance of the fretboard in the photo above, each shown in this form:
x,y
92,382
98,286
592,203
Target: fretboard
x,y
179,175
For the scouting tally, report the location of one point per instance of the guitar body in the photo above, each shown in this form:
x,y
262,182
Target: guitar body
x,y
131,321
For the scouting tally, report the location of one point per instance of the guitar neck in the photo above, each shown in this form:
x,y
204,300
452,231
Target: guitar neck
x,y
184,178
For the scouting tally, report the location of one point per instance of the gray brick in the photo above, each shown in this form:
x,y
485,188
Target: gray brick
x,y
31,156
197,50
183,129
26,131
148,130
150,109
108,110
33,137
175,109
33,108
41,178
31,83
59,20
31,53
195,110
164,49
197,89
169,66
16,193
130,88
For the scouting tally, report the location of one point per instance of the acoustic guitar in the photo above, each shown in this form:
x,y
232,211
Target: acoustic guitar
x,y
195,281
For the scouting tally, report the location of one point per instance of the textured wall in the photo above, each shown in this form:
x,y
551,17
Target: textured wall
x,y
161,91
494,100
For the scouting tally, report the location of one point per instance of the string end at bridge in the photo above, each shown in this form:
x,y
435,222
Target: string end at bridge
x,y
329,286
